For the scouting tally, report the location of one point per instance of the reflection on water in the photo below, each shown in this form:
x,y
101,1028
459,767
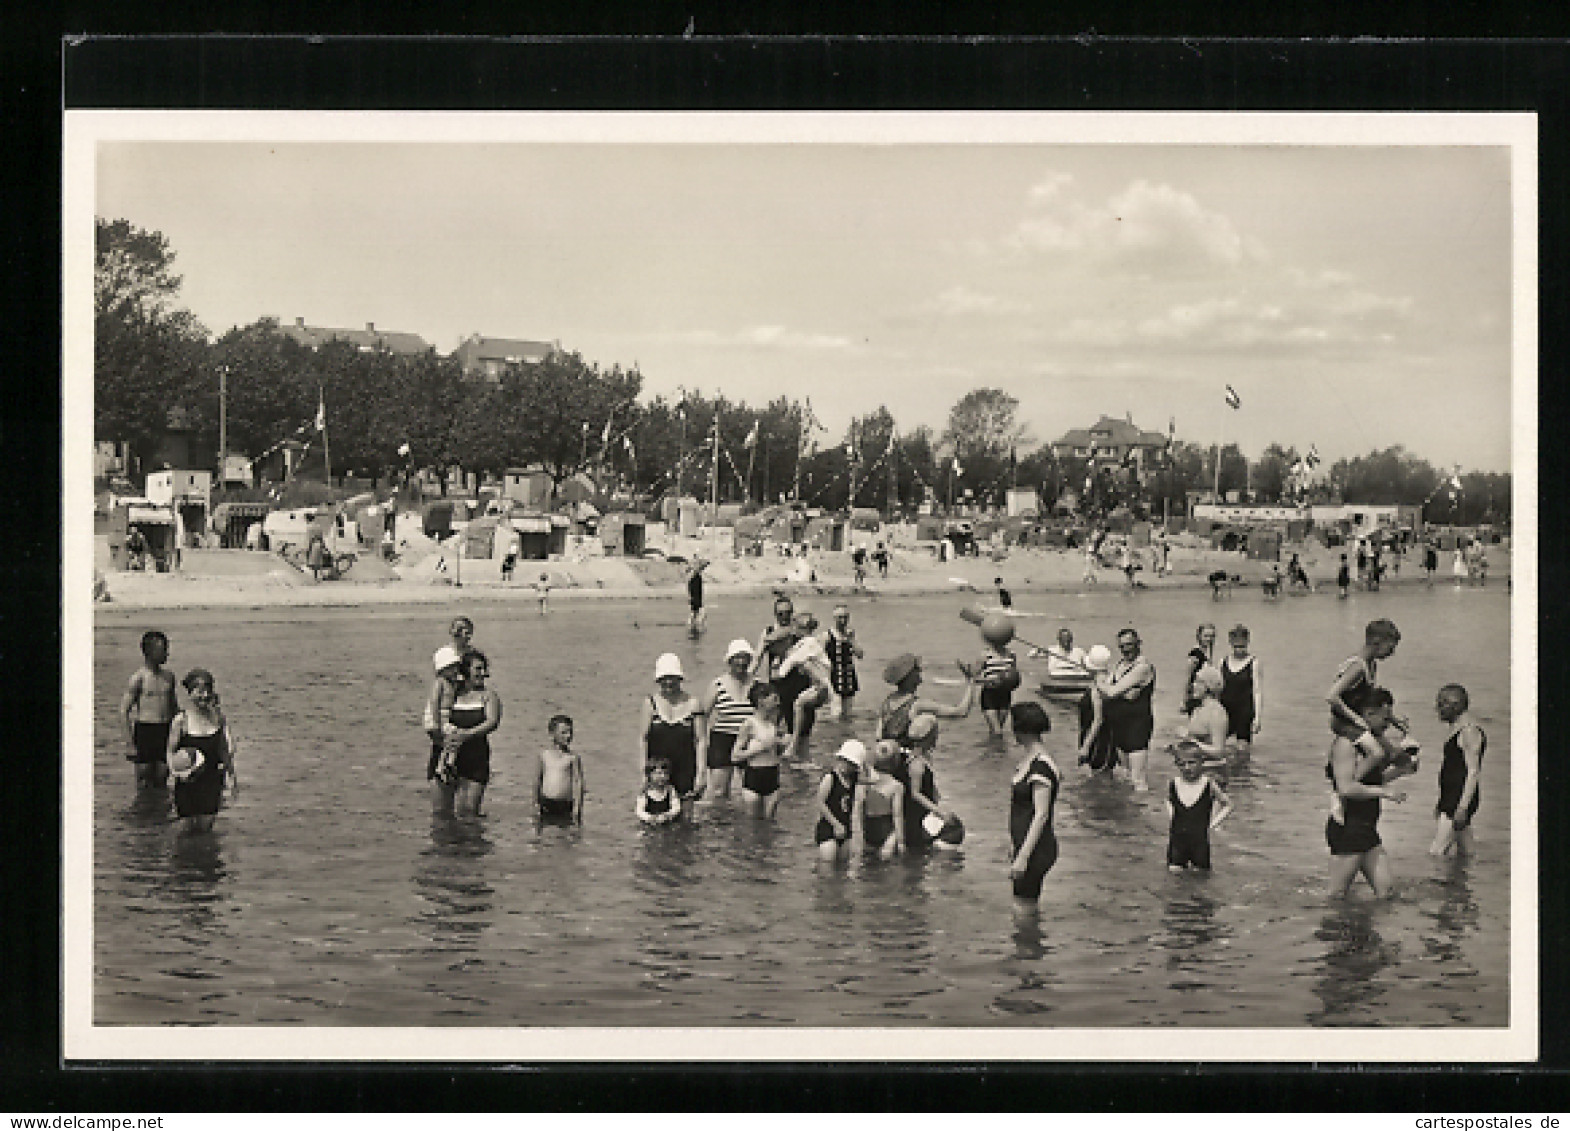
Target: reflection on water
x,y
1349,982
330,895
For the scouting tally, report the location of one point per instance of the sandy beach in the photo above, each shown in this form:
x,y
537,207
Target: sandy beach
x,y
241,579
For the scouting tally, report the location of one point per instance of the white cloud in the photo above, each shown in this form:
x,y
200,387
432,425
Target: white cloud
x,y
1144,226
961,300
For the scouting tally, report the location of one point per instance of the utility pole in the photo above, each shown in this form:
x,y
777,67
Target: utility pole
x,y
714,473
223,426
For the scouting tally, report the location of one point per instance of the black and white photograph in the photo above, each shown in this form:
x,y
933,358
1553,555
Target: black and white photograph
x,y
696,587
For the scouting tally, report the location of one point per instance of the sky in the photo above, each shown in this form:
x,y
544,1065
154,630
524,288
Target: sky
x,y
1354,297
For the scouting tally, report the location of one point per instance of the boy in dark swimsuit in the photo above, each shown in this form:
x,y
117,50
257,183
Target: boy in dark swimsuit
x,y
1195,805
148,706
558,780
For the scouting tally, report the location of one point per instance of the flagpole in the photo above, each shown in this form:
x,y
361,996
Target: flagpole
x,y
1215,489
327,452
752,455
714,474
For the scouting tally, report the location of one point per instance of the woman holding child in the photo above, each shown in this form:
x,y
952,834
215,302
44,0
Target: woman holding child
x,y
460,767
672,726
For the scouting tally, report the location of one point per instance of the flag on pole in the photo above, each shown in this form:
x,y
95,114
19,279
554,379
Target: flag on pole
x,y
958,470
605,433
1233,400
626,442
752,437
321,411
403,449
1312,459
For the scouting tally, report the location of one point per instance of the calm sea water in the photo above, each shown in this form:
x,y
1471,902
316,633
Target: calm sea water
x,y
328,895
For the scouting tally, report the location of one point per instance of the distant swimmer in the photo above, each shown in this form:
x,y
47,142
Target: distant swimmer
x,y
558,776
697,616
1460,772
148,706
1005,598
1344,578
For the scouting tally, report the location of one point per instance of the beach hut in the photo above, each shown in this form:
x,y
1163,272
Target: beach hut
x,y
747,536
1264,545
624,533
153,525
561,527
534,536
866,518
929,528
825,532
232,520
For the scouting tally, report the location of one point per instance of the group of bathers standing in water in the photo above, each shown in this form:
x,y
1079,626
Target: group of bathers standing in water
x,y
756,717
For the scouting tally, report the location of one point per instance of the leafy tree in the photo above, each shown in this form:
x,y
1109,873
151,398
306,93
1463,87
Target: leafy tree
x,y
555,405
147,353
984,424
1270,473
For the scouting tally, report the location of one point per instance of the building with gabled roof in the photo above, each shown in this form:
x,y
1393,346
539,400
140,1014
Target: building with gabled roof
x,y
1111,440
480,356
370,338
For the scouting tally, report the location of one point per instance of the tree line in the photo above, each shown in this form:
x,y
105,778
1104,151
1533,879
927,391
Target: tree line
x,y
389,414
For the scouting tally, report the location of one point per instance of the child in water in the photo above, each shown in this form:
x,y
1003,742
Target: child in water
x,y
760,744
1344,577
1195,805
883,804
148,706
558,780
658,801
542,589
999,679
838,800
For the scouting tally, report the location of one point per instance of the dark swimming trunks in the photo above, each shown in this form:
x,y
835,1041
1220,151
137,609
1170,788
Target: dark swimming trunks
x,y
152,743
556,808
658,806
1358,830
721,743
762,780
877,830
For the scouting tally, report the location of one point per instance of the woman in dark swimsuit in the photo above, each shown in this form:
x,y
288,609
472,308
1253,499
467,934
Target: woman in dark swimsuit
x,y
476,712
203,732
671,728
1033,794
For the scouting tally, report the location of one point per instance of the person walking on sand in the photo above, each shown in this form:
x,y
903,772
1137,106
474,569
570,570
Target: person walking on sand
x,y
148,707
